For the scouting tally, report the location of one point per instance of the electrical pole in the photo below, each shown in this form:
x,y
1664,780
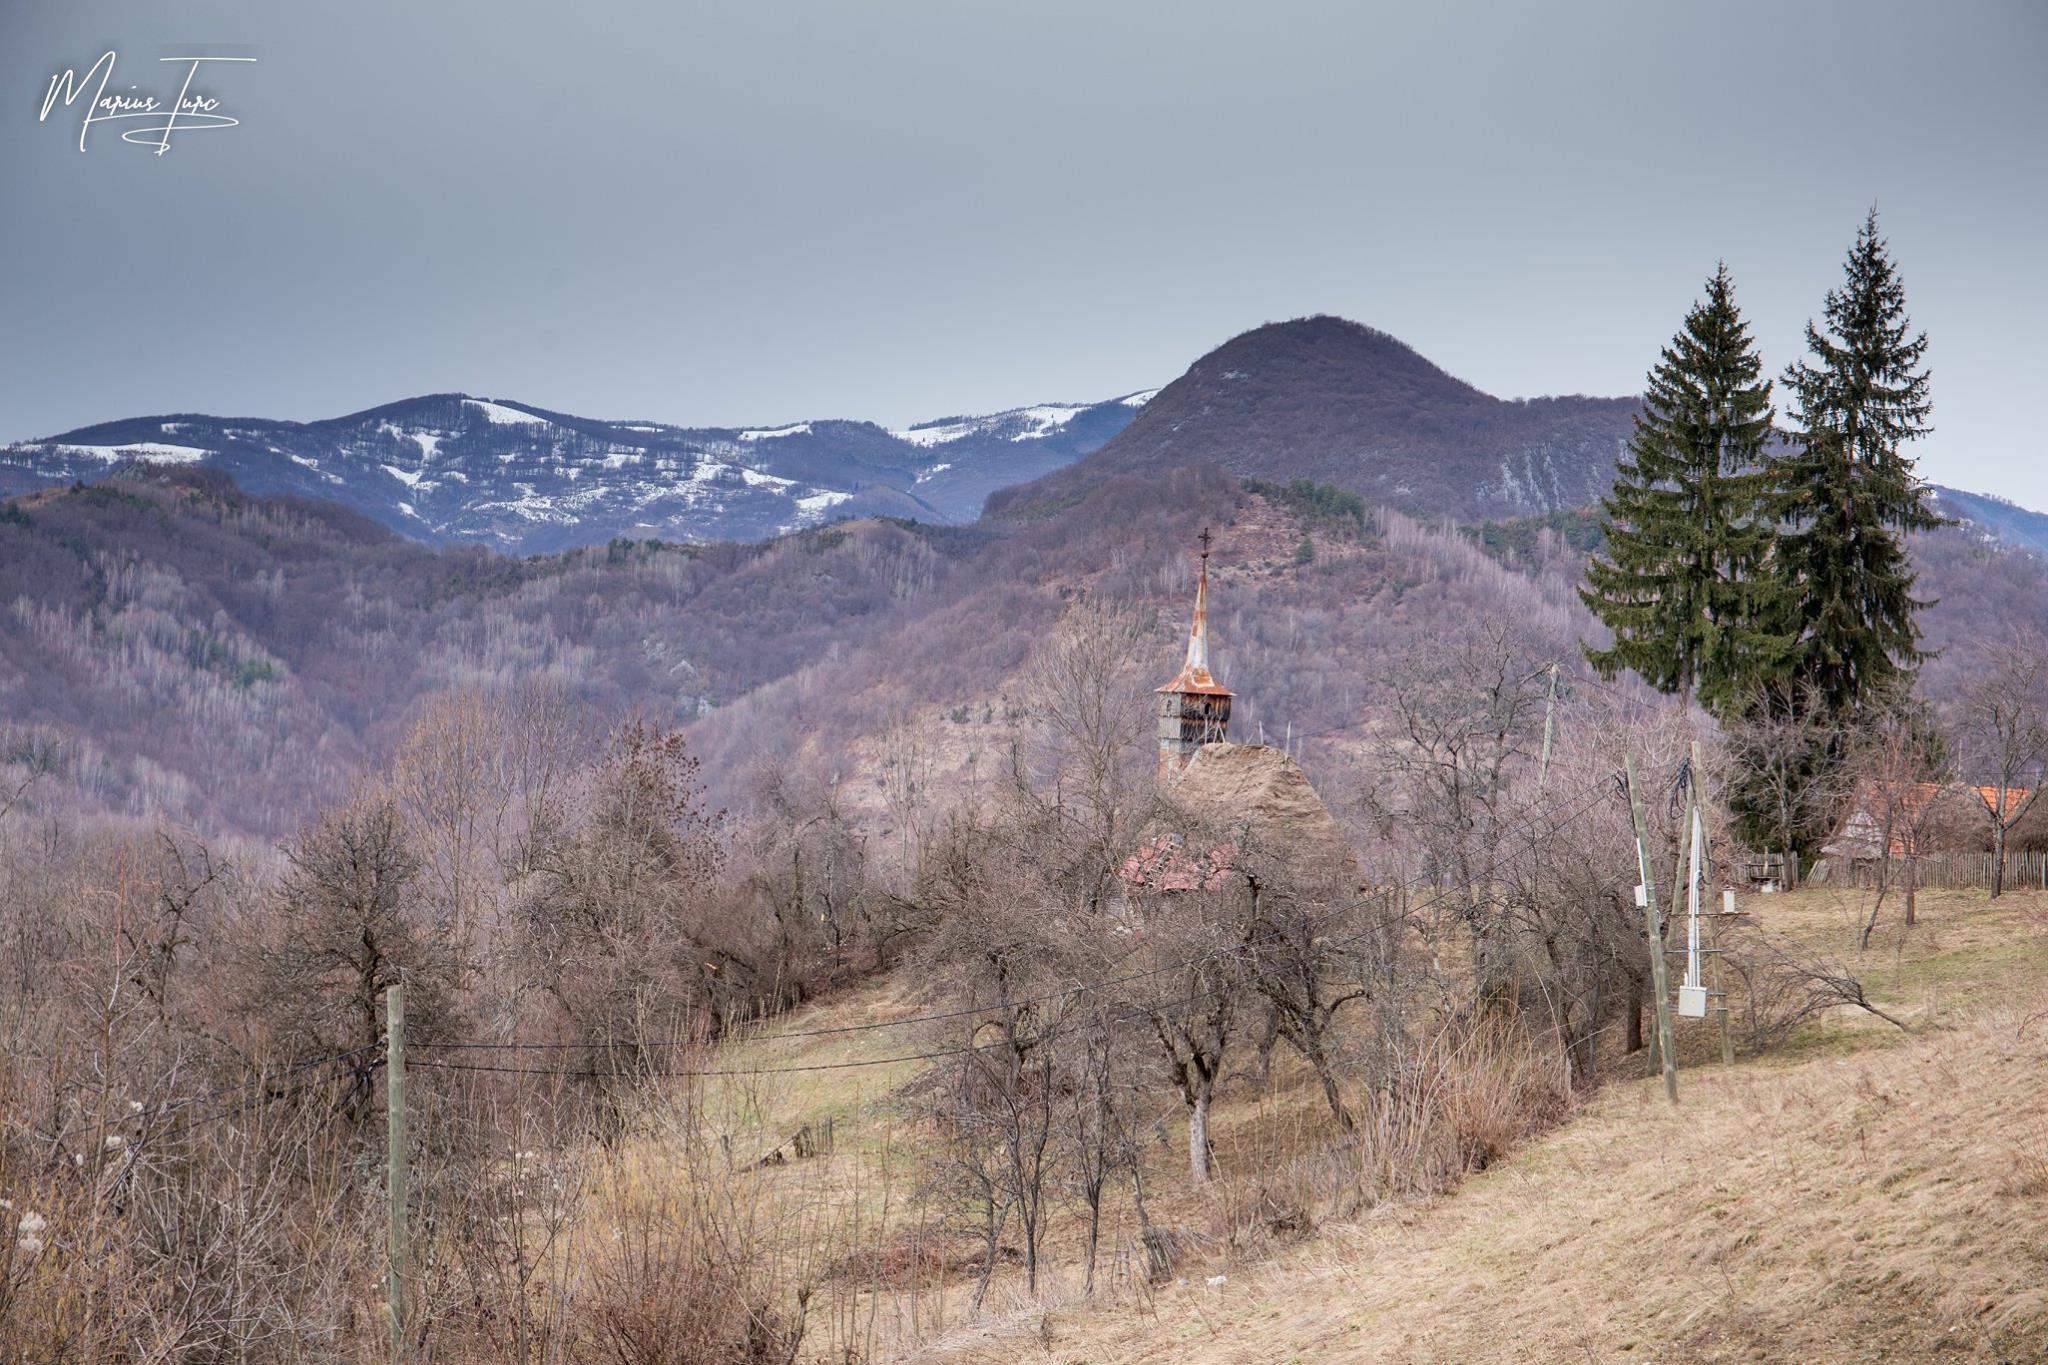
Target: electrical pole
x,y
394,1108
1549,709
1647,896
1728,907
1680,880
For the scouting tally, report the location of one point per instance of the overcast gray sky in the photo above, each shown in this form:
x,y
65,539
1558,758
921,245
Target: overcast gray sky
x,y
764,211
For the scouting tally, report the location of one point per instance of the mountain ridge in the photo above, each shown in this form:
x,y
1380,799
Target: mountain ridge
x,y
1319,398
521,478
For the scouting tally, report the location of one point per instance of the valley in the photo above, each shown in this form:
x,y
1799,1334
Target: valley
x,y
723,845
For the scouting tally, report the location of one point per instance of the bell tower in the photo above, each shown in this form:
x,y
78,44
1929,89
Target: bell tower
x,y
1194,709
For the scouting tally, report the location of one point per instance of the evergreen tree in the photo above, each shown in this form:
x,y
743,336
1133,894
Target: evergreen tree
x,y
1686,583
1848,491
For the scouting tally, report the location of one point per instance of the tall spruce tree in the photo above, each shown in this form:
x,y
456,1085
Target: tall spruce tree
x,y
1848,492
1685,583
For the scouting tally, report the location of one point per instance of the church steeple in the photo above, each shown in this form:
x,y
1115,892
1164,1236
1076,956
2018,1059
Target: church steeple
x,y
1194,709
1198,633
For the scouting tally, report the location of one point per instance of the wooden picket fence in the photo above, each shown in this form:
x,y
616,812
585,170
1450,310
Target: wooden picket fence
x,y
2028,869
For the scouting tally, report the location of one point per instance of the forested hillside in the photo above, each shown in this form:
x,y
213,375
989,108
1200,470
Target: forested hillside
x,y
182,648
178,647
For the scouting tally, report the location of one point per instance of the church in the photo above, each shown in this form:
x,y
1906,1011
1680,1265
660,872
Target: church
x,y
1252,795
1194,709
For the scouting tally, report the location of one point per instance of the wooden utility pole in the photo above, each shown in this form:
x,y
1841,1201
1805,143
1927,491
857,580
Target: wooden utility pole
x,y
394,1108
1549,712
1720,989
1659,975
1714,979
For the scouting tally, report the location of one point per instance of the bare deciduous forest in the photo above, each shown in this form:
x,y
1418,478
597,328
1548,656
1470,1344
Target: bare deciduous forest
x,y
801,960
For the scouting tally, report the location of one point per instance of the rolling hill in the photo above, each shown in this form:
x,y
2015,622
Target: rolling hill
x,y
192,652
1341,404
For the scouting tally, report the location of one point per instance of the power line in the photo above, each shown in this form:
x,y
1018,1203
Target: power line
x,y
262,1080
493,1069
242,1105
1592,792
1049,997
244,1099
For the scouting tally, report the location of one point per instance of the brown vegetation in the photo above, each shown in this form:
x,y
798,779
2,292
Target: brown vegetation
x,y
902,862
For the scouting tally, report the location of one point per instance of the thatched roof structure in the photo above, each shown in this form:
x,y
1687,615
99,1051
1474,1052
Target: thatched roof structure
x,y
1235,803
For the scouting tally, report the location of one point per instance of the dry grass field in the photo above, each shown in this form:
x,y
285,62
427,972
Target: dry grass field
x,y
1862,1194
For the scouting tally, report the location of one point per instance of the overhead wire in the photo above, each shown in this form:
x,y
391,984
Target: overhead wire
x,y
244,1099
1049,997
1591,792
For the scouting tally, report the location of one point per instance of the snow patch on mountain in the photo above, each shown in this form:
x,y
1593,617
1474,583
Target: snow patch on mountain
x,y
140,450
1017,424
938,433
1044,420
428,442
504,416
817,503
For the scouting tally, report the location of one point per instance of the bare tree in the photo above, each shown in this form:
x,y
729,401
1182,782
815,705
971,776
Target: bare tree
x,y
34,756
802,855
621,922
451,775
1890,772
995,949
909,763
2002,722
1785,983
1312,947
1088,699
1580,946
1097,1125
187,878
351,926
1186,921
1461,714
545,740
1784,750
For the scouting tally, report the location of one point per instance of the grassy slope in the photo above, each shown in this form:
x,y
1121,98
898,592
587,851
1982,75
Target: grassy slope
x,y
1870,1196
1861,1195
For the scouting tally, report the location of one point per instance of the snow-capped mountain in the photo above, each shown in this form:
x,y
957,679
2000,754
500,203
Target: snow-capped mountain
x,y
450,467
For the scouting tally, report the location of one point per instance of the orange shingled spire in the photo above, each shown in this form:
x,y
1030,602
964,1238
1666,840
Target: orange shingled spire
x,y
1194,709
